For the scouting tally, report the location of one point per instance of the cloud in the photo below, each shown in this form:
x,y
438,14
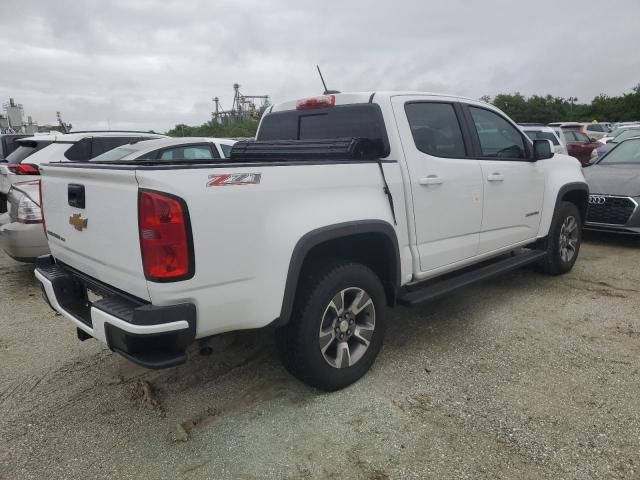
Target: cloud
x,y
152,64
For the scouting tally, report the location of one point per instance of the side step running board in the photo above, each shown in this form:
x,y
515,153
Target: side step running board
x,y
437,288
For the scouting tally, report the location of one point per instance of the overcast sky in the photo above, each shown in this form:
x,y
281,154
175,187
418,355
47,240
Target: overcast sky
x,y
151,64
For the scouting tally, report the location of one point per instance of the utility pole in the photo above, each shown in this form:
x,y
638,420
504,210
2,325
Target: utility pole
x,y
571,100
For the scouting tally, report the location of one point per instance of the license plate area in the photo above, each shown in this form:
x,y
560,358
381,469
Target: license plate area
x,y
93,296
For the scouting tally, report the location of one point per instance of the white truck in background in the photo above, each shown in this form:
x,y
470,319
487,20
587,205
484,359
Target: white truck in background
x,y
344,206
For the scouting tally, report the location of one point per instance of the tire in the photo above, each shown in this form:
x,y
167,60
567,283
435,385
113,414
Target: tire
x,y
317,321
563,243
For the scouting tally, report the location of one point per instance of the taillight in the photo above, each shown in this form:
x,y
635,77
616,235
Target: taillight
x,y
24,169
28,211
165,237
44,224
315,103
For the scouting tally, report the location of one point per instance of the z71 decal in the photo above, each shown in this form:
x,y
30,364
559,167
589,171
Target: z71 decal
x,y
226,179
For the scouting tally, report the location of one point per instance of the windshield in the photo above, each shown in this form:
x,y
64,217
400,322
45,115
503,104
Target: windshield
x,y
542,135
629,133
25,150
575,136
116,154
620,130
625,153
345,121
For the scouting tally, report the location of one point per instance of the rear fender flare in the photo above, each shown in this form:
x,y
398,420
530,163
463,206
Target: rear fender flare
x,y
332,232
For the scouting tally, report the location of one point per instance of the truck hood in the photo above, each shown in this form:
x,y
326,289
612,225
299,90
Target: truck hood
x,y
621,180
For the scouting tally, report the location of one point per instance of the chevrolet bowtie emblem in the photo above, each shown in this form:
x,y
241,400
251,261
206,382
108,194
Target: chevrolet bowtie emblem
x,y
78,222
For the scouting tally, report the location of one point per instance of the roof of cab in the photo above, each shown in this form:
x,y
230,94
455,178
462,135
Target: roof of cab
x,y
365,97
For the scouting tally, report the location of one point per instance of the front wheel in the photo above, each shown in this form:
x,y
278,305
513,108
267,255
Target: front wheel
x,y
565,236
337,326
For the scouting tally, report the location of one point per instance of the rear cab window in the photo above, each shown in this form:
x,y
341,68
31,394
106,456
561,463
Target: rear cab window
x,y
342,121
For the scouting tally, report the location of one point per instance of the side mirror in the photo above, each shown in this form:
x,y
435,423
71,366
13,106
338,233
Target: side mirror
x,y
542,149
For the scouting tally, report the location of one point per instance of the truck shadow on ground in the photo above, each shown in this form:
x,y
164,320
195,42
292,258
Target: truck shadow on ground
x,y
246,363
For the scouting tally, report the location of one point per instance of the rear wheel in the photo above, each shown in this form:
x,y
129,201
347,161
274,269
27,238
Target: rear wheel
x,y
565,237
337,326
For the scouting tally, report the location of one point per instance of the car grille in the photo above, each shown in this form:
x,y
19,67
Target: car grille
x,y
610,210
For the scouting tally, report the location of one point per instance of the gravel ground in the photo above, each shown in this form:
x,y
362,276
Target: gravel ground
x,y
522,377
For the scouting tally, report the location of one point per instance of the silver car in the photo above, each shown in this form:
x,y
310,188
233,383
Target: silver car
x,y
22,234
614,186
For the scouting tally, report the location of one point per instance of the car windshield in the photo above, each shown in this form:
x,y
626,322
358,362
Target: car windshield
x,y
625,153
629,133
25,150
576,136
542,135
618,131
116,154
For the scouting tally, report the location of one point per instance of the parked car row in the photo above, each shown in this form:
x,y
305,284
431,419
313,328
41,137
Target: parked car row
x,y
21,232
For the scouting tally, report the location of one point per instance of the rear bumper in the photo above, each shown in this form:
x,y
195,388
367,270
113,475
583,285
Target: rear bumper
x,y
149,335
24,242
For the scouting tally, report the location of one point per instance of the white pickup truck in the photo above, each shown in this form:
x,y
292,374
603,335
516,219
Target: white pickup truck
x,y
346,205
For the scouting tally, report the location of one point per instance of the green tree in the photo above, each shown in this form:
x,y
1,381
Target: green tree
x,y
244,128
546,109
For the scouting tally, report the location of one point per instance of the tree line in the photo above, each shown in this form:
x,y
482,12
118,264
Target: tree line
x,y
547,109
244,128
536,108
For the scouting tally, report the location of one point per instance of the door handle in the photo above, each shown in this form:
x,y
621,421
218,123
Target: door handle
x,y
430,180
495,177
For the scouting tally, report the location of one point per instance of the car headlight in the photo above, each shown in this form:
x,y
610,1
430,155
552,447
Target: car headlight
x,y
28,211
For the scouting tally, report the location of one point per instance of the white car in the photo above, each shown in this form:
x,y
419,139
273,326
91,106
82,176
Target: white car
x,y
23,163
24,239
22,234
346,205
595,130
171,149
543,132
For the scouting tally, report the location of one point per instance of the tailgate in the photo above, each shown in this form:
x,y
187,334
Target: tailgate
x,y
91,217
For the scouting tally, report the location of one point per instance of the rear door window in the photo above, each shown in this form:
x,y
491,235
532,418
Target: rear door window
x,y
498,138
435,129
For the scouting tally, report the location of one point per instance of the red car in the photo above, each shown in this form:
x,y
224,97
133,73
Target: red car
x,y
579,145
